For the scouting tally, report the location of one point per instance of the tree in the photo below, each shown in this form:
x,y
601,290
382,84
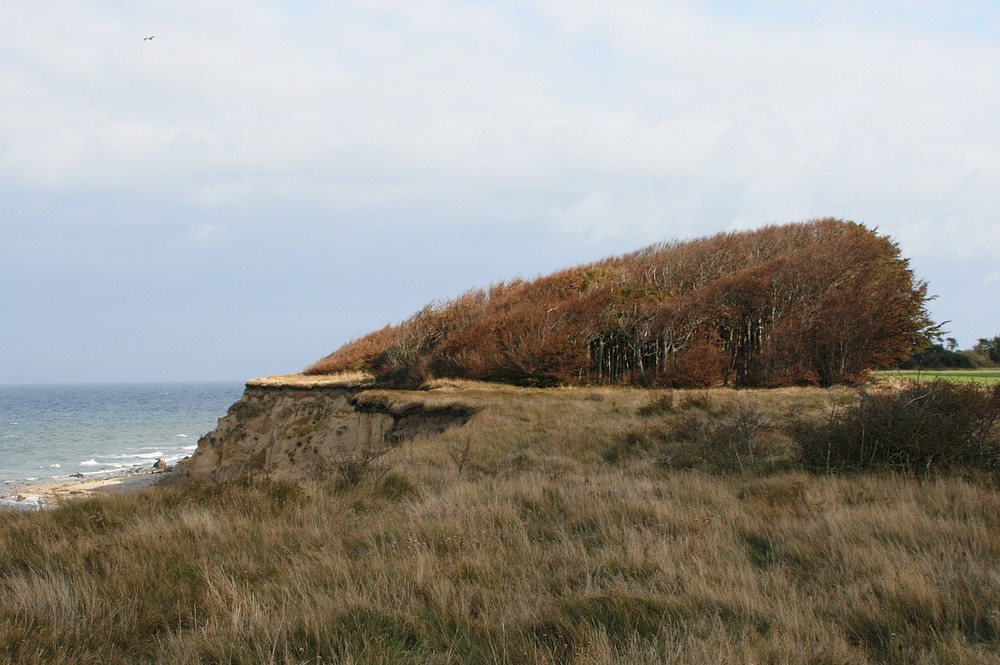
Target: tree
x,y
820,302
937,356
990,348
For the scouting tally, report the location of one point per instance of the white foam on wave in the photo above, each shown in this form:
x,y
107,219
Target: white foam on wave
x,y
189,448
157,454
90,462
180,436
100,473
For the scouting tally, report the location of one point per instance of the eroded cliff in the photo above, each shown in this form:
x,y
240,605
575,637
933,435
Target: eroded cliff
x,y
287,427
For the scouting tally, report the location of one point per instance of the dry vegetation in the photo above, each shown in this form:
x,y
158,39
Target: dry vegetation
x,y
586,525
817,303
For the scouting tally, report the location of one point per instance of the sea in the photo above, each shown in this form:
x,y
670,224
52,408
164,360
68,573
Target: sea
x,y
54,432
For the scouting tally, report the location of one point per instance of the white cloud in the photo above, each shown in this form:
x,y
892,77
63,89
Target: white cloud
x,y
992,278
202,231
590,123
656,112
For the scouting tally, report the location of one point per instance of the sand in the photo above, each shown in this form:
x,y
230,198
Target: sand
x,y
49,494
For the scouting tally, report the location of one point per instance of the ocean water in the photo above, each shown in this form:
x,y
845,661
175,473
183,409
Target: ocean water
x,y
52,432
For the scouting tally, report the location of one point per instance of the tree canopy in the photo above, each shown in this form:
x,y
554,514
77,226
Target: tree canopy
x,y
819,302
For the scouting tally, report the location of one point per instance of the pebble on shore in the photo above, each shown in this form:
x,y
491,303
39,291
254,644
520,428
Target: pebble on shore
x,y
47,495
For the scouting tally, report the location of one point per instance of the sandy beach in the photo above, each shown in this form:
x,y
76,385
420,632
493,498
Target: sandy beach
x,y
49,494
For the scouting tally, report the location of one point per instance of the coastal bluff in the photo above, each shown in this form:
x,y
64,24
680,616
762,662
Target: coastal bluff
x,y
296,427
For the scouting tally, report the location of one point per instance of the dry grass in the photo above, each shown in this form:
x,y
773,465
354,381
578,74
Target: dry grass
x,y
342,379
563,538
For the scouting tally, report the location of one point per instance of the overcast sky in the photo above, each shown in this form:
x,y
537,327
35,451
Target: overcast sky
x,y
265,180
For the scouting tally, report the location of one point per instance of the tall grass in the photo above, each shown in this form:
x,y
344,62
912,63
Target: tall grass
x,y
562,537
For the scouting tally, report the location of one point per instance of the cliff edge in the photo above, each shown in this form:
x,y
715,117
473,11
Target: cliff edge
x,y
298,427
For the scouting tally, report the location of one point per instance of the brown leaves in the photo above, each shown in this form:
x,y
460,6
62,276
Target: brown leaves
x,y
824,301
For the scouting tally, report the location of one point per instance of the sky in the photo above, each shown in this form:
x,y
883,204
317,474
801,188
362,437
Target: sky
x,y
265,180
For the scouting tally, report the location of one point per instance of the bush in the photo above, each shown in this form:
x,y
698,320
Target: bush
x,y
722,439
917,429
353,465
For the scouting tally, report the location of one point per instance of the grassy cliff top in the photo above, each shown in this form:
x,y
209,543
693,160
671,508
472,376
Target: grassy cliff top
x,y
575,526
299,380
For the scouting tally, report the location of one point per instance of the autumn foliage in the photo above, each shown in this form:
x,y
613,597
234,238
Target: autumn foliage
x,y
821,302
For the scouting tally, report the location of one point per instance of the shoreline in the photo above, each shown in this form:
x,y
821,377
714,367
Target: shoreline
x,y
48,494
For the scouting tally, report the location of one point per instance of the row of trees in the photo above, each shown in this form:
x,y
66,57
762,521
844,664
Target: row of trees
x,y
821,302
947,355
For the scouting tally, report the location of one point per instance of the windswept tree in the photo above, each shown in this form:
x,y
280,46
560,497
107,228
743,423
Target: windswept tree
x,y
989,348
820,302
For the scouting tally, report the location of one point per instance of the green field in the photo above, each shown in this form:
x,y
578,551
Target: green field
x,y
987,377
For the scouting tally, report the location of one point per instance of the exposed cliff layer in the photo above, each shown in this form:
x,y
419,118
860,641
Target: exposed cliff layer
x,y
293,428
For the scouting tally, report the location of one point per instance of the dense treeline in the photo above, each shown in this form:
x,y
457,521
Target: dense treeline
x,y
985,353
821,302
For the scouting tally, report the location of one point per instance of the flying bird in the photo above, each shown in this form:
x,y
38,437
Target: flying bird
x,y
146,39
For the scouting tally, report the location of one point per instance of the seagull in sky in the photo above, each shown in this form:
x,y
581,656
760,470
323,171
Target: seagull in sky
x,y
146,39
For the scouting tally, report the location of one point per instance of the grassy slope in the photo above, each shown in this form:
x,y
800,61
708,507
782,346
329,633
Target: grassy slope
x,y
563,539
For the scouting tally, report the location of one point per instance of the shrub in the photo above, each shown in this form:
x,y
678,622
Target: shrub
x,y
658,404
917,429
724,438
354,465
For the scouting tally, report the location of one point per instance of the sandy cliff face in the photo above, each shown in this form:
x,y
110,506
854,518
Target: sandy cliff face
x,y
292,429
